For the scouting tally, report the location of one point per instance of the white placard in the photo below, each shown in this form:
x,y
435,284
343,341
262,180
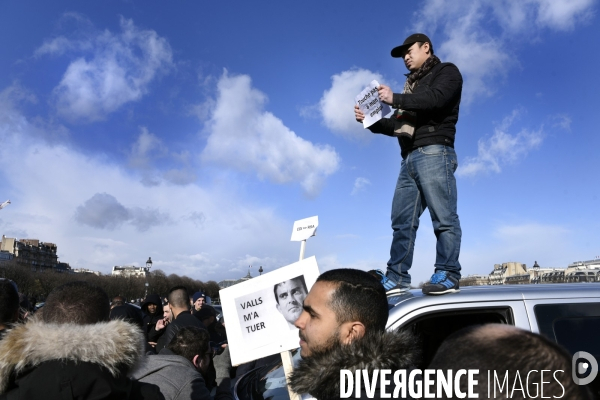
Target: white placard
x,y
369,103
304,228
257,322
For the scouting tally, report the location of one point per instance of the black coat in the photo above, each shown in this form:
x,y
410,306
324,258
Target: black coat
x,y
128,313
150,320
435,100
68,361
185,318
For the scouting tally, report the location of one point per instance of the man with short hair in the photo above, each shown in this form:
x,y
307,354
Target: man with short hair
x,y
73,351
289,296
178,299
180,370
9,305
496,349
342,326
424,121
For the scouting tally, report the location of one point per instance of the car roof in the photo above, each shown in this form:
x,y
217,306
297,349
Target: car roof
x,y
414,299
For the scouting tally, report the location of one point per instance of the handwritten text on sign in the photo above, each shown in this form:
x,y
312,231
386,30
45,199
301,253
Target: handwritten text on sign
x,y
369,103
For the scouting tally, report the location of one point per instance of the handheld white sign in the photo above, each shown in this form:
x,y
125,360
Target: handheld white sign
x,y
261,311
369,103
304,228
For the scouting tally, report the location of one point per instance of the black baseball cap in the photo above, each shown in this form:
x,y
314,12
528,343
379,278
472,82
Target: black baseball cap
x,y
399,51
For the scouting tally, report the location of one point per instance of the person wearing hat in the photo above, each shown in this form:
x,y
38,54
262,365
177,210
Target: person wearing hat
x,y
424,121
198,300
208,316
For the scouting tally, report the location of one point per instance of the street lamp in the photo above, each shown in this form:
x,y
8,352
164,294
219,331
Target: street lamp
x,y
536,271
148,266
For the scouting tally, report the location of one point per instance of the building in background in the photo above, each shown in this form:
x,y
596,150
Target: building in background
x,y
130,271
86,271
225,283
31,252
515,270
475,280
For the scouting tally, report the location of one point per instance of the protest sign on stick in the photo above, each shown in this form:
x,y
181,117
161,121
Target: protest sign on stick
x,y
261,311
371,106
302,230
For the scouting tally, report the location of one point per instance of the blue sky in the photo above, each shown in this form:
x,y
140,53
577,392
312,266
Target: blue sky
x,y
197,132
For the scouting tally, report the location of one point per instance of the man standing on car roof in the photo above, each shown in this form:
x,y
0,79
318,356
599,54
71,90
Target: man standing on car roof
x,y
424,121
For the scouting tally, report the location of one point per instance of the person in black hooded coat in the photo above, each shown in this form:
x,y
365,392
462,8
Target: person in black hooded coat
x,y
152,310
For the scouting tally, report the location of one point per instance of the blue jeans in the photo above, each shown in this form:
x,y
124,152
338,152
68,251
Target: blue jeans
x,y
426,181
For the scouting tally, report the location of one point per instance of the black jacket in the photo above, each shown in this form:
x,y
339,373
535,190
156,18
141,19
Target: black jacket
x,y
319,375
68,361
185,318
128,313
436,101
150,320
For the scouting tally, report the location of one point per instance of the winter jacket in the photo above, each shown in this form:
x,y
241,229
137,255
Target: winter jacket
x,y
177,377
184,318
436,101
319,375
150,320
69,361
128,313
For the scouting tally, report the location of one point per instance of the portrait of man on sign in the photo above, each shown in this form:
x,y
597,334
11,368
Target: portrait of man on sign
x,y
290,295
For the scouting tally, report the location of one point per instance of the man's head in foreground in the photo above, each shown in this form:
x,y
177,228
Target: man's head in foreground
x,y
415,50
499,348
289,295
342,306
77,303
192,343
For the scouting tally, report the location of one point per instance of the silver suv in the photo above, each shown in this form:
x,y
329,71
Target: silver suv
x,y
568,314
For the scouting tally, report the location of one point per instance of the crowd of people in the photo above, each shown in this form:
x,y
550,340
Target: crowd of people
x,y
80,345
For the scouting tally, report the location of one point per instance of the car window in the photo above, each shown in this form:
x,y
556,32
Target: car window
x,y
432,329
574,326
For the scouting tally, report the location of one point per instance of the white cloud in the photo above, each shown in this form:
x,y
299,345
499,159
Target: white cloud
x,y
360,184
562,121
62,196
245,137
562,14
114,69
147,150
11,121
480,37
501,148
337,103
147,147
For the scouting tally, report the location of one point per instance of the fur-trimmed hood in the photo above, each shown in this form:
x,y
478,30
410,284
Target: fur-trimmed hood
x,y
111,345
319,374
